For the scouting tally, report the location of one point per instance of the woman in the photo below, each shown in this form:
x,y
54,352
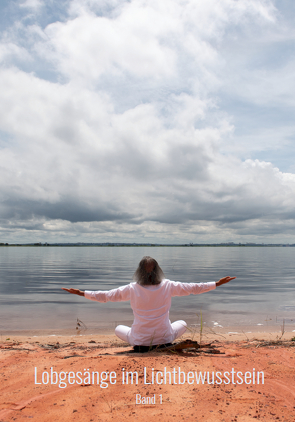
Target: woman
x,y
150,299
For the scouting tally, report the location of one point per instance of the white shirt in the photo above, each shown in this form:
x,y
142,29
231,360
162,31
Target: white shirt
x,y
150,305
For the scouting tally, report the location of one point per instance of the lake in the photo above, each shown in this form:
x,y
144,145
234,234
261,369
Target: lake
x,y
32,300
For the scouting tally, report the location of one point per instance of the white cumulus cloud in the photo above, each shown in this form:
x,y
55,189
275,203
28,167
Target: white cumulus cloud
x,y
112,126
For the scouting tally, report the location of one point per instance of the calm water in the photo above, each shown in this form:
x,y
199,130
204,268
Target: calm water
x,y
31,279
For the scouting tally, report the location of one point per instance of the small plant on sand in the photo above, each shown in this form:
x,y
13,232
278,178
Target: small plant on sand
x,y
201,326
193,331
283,327
282,330
80,326
245,335
201,330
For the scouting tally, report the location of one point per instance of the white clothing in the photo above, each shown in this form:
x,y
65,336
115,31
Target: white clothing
x,y
123,332
150,307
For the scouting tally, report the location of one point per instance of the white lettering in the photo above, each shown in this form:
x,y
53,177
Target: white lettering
x,y
36,377
144,376
43,378
145,400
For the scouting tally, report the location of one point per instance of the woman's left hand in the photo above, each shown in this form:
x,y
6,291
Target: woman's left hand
x,y
224,280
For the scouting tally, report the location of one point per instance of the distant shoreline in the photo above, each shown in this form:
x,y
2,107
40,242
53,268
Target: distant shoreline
x,y
116,244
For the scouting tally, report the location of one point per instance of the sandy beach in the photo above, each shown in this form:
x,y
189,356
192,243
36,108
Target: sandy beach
x,y
89,378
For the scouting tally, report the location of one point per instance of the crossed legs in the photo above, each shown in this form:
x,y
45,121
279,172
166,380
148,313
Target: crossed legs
x,y
123,332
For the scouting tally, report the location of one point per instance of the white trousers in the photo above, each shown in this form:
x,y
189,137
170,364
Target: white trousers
x,y
178,327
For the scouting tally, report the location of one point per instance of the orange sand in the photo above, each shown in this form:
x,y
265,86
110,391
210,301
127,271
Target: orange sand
x,y
22,399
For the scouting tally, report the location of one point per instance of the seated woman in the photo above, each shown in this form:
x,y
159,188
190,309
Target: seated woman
x,y
150,299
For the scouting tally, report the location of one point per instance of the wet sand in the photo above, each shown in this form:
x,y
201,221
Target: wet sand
x,y
26,363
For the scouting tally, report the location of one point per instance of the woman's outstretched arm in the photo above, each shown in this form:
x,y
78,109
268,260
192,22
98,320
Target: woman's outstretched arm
x,y
115,295
74,291
224,280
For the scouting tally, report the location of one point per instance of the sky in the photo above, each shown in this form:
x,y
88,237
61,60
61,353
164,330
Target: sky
x,y
147,121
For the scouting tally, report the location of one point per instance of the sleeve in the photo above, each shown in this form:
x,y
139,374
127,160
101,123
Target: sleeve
x,y
185,289
115,295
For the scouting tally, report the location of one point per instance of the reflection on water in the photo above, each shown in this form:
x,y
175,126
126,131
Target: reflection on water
x,y
31,279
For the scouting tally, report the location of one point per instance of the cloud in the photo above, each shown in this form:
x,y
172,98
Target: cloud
x,y
91,45
127,140
32,4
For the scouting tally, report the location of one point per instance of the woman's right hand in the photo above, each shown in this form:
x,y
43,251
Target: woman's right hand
x,y
74,291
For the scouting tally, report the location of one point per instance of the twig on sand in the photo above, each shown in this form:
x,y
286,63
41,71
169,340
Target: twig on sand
x,y
183,346
269,343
